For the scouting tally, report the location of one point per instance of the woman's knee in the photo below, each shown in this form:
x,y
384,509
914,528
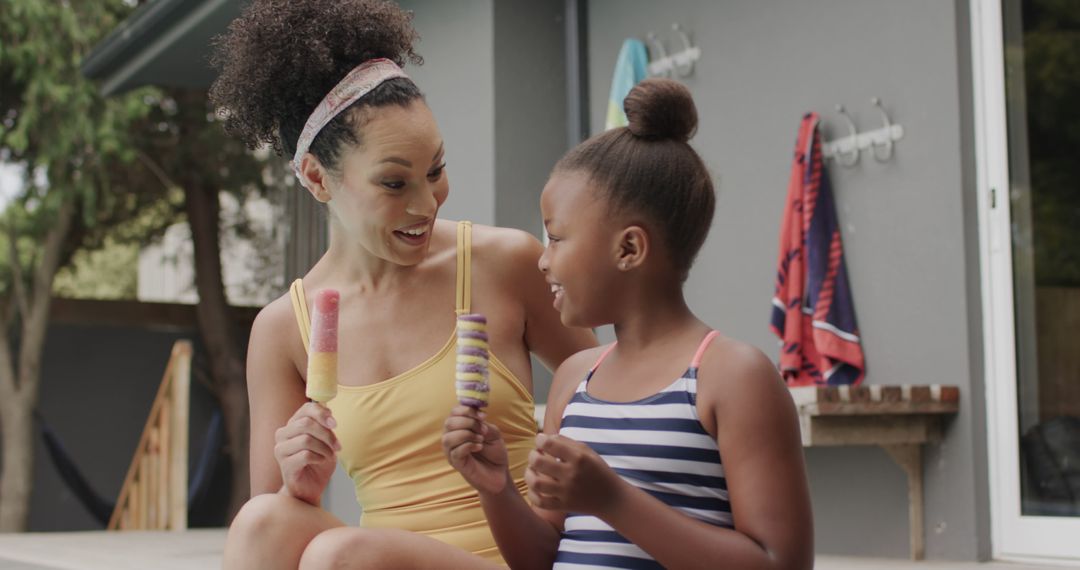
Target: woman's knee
x,y
272,531
263,517
351,548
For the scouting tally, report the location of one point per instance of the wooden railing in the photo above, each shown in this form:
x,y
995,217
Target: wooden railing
x,y
154,495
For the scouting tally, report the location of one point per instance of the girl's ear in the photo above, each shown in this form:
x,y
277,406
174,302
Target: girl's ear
x,y
314,175
632,248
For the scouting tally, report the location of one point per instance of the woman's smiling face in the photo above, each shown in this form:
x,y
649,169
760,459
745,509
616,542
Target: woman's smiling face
x,y
390,187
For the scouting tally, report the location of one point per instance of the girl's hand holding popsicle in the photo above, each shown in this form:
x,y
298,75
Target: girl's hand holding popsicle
x,y
474,447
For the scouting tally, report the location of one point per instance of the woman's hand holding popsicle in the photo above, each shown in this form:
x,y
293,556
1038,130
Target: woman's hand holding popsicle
x,y
306,451
306,448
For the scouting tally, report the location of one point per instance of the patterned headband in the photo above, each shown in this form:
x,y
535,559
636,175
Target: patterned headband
x,y
359,82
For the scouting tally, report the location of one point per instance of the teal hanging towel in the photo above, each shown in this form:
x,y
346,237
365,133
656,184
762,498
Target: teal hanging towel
x,y
630,68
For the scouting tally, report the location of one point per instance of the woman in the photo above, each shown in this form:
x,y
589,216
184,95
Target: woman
x,y
321,81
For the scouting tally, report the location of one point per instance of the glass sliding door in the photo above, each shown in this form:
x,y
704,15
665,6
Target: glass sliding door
x,y
1027,69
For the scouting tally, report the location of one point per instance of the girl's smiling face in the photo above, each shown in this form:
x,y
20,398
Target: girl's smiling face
x,y
580,259
390,187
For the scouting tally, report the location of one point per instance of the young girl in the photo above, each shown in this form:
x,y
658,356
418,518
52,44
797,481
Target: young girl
x,y
321,81
675,446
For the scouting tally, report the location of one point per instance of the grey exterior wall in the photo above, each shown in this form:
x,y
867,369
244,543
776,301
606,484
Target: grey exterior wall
x,y
530,106
908,225
494,76
530,117
458,79
974,410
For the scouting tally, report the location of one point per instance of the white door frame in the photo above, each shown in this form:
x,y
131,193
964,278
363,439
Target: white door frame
x,y
1016,537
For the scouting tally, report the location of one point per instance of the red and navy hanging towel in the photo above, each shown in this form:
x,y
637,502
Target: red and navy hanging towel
x,y
813,310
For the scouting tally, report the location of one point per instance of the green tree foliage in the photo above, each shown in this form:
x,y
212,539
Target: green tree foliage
x,y
96,171
71,144
102,174
110,272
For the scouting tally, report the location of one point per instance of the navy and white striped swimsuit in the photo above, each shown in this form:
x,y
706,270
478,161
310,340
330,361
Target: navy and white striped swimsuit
x,y
657,444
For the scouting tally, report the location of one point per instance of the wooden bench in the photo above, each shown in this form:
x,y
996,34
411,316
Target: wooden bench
x,y
899,419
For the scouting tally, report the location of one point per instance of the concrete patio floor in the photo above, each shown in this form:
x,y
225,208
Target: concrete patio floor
x,y
201,549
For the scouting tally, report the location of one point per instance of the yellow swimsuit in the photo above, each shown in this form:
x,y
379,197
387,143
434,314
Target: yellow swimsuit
x,y
391,431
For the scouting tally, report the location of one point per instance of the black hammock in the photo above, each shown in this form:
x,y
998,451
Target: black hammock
x,y
102,508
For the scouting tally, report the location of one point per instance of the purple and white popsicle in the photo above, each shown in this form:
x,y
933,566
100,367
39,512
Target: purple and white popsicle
x,y
471,378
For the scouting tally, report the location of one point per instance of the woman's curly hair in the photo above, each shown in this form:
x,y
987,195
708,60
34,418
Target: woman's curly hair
x,y
281,57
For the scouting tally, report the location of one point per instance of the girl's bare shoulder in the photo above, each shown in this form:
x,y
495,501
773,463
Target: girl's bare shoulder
x,y
734,373
565,382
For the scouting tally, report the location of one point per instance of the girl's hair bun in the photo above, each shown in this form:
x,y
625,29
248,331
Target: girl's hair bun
x,y
661,109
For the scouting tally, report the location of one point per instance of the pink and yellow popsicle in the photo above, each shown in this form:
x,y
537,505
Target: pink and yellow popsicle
x,y
322,377
471,379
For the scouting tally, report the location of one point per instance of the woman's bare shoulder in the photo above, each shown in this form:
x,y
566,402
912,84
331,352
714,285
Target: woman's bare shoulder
x,y
443,247
277,313
507,248
275,334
